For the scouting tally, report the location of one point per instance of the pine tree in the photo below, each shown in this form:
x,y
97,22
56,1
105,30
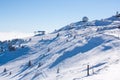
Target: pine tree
x,y
58,35
11,48
29,39
74,37
39,65
1,49
29,64
58,70
88,73
66,40
5,70
10,73
48,49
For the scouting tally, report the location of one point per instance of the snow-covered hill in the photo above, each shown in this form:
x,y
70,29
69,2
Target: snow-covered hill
x,y
65,53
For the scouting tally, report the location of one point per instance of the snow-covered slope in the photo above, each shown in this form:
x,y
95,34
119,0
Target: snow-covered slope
x,y
66,53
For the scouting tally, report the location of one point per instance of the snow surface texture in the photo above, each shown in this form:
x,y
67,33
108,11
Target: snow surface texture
x,y
65,53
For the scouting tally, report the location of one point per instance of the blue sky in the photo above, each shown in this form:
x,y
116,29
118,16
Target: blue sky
x,y
31,15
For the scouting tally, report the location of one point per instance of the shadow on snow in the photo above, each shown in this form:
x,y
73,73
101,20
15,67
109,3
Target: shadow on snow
x,y
8,56
94,42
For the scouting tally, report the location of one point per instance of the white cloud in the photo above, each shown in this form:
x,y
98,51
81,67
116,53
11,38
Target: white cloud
x,y
13,35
